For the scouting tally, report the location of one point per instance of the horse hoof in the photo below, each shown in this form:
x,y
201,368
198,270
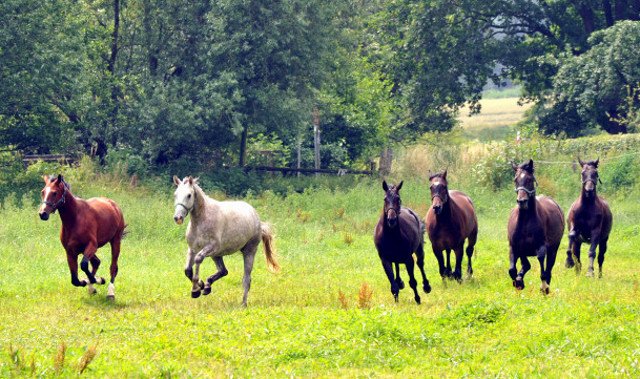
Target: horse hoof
x,y
569,264
100,280
111,297
545,291
519,284
427,288
418,300
195,294
206,291
400,284
589,274
395,296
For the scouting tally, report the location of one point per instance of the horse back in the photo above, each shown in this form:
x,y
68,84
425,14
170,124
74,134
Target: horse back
x,y
108,218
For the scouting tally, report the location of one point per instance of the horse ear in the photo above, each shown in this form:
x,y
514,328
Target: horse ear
x,y
580,162
195,181
399,186
444,175
46,178
190,179
176,180
59,179
514,166
530,166
596,162
385,187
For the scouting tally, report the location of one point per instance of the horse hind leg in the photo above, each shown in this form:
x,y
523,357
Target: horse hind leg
x,y
113,269
447,272
471,243
222,272
249,254
457,272
545,275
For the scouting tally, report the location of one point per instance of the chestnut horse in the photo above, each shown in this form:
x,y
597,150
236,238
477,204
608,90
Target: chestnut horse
x,y
535,229
398,234
86,226
589,220
450,220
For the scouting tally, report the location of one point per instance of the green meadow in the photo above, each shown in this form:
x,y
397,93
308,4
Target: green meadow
x,y
329,312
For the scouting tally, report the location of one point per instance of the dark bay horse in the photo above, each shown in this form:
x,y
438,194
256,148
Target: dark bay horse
x,y
450,220
86,226
535,228
589,220
397,236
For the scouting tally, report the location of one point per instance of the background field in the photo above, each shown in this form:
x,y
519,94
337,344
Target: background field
x,y
312,319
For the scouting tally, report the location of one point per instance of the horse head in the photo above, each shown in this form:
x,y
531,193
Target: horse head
x,y
439,191
589,177
525,183
184,197
392,203
53,195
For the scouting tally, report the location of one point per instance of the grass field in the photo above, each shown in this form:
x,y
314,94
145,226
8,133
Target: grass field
x,y
495,120
296,324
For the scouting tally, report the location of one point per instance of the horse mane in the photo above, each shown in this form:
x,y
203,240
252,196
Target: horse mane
x,y
200,195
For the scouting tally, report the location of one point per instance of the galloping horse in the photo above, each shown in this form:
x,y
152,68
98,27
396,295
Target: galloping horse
x,y
216,229
535,228
450,220
589,220
398,234
86,226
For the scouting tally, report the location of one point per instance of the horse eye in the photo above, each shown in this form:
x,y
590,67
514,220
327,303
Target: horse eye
x,y
189,196
54,193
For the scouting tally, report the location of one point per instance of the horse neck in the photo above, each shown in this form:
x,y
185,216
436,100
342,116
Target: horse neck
x,y
69,210
446,212
200,204
588,200
531,210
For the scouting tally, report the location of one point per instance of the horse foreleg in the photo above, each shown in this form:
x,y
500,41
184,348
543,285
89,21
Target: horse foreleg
x,y
545,275
471,243
398,279
95,264
412,280
448,269
188,269
601,251
222,271
72,261
88,255
440,258
198,284
457,273
420,261
595,241
572,240
388,269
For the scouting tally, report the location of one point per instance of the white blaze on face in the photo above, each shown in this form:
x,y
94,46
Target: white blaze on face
x,y
522,175
436,183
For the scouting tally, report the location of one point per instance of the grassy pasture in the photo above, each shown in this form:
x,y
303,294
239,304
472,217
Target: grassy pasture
x,y
495,120
296,323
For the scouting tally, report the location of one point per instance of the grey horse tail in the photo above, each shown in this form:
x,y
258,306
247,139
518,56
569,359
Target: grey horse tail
x,y
269,248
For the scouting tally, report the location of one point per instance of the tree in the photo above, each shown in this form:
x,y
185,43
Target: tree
x,y
595,85
447,50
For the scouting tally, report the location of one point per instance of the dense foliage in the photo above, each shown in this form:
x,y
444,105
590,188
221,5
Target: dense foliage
x,y
167,84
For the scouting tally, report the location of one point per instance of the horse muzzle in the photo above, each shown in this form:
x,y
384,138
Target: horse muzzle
x,y
437,209
178,219
523,203
44,215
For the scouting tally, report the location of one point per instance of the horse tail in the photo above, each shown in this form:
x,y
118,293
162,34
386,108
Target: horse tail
x,y
269,248
125,232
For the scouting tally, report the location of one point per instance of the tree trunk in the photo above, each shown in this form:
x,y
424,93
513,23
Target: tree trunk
x,y
243,147
386,159
608,15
